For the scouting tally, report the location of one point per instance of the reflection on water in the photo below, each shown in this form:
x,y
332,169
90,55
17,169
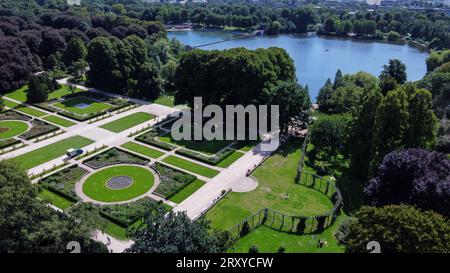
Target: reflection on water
x,y
317,58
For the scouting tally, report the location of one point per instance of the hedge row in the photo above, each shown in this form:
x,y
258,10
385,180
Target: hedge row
x,y
213,160
171,180
8,142
13,115
38,129
149,138
114,156
60,193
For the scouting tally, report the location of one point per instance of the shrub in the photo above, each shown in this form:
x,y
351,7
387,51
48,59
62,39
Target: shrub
x,y
39,128
171,180
63,182
253,249
114,156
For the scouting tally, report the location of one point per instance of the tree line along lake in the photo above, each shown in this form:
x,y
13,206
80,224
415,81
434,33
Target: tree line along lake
x,y
317,58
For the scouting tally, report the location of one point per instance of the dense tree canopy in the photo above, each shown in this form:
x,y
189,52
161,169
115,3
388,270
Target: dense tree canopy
x,y
27,224
416,177
345,93
174,233
398,229
233,76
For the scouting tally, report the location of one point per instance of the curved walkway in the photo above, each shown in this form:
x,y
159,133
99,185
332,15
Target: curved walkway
x,y
85,198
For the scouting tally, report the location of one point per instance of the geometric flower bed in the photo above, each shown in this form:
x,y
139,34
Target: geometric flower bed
x,y
63,182
114,156
38,128
126,214
84,105
97,187
171,180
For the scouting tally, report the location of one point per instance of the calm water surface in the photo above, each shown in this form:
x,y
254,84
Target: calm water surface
x,y
318,58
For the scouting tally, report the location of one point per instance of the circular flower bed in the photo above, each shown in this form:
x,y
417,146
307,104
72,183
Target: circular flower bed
x,y
98,185
12,128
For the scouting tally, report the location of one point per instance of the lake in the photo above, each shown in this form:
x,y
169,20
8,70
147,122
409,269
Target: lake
x,y
318,58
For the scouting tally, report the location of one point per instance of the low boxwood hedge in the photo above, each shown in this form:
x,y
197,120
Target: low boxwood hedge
x,y
114,156
171,180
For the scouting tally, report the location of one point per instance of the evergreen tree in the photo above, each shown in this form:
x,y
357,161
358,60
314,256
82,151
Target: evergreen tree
x,y
362,132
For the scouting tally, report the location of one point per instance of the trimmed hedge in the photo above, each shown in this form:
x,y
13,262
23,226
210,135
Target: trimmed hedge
x,y
213,160
149,138
8,142
63,182
115,102
39,128
125,215
13,115
115,156
171,180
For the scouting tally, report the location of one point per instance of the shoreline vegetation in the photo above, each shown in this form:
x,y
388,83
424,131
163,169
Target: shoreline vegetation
x,y
242,32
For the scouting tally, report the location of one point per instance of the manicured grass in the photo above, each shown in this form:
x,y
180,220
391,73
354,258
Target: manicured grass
x,y
230,159
11,128
127,122
55,199
187,191
276,178
114,230
21,95
95,186
207,147
165,100
141,149
73,105
22,108
50,152
190,166
269,240
249,145
59,121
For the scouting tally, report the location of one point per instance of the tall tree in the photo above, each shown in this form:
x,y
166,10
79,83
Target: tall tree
x,y
29,225
162,232
423,123
75,51
294,103
398,229
391,124
395,69
414,176
362,132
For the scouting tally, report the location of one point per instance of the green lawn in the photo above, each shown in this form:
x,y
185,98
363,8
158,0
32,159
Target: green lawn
x,y
95,186
22,108
59,121
11,128
276,178
82,105
165,100
52,151
190,166
269,240
55,199
187,191
21,95
141,149
127,122
115,230
230,159
207,147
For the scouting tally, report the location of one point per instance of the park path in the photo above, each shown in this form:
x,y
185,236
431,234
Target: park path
x,y
231,178
92,131
234,177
